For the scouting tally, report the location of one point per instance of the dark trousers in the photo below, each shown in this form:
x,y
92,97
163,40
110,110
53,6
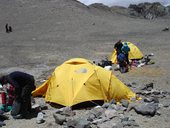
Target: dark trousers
x,y
127,58
22,101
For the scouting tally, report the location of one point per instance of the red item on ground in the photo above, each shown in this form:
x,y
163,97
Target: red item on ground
x,y
3,98
7,97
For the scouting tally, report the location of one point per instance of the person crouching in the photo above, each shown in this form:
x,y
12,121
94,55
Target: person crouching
x,y
23,84
123,66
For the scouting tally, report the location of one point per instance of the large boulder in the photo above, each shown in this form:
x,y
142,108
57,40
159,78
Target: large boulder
x,y
168,8
146,109
148,10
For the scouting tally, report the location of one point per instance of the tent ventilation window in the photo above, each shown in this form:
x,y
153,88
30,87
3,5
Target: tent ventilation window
x,y
76,63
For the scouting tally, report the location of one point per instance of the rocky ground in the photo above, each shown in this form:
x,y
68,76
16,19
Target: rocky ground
x,y
48,32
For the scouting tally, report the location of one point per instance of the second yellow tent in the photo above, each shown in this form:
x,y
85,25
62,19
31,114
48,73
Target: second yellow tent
x,y
134,53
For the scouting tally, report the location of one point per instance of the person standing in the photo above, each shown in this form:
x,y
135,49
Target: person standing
x,y
125,50
23,84
118,47
6,28
10,29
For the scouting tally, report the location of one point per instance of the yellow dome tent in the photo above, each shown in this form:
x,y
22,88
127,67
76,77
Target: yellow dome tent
x,y
78,80
134,53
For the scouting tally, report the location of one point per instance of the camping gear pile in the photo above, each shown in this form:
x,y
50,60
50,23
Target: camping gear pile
x,y
105,63
146,60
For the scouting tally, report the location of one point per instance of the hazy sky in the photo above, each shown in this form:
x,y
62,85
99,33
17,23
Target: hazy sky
x,y
122,2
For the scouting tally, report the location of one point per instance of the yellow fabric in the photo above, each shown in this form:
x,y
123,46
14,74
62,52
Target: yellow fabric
x,y
41,90
134,53
78,80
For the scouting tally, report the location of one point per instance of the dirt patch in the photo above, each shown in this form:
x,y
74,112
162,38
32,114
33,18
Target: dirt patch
x,y
146,71
102,53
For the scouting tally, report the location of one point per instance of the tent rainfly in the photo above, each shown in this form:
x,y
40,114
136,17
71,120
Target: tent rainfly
x,y
78,80
134,53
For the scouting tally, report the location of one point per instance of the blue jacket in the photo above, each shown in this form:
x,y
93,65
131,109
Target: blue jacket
x,y
121,57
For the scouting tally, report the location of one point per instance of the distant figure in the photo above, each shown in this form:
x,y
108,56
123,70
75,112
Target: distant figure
x,y
6,28
10,29
23,85
125,50
118,47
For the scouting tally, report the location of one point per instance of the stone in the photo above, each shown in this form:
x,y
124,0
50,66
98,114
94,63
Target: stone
x,y
110,113
106,105
146,109
40,118
131,119
165,93
82,123
125,103
130,123
97,121
166,104
59,119
156,92
165,29
35,106
118,125
158,113
91,117
93,126
148,87
134,83
129,85
71,123
152,99
131,106
111,106
117,107
123,109
124,119
43,107
97,112
58,111
144,93
67,111
160,105
155,100
148,100
112,102
134,98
